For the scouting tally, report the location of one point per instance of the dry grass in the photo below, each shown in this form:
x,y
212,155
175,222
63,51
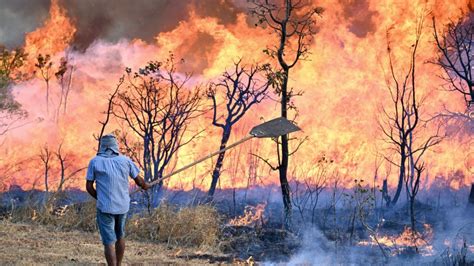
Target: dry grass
x,y
78,216
197,226
34,244
44,234
187,227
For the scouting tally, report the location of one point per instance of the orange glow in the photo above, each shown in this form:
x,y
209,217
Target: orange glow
x,y
53,37
343,83
251,217
407,239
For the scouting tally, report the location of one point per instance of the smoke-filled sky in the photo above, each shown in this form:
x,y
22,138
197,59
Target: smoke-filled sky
x,y
110,20
143,19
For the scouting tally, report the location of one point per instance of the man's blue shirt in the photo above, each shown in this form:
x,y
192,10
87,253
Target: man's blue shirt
x,y
111,177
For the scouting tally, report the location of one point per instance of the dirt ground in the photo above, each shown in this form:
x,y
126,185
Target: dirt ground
x,y
27,244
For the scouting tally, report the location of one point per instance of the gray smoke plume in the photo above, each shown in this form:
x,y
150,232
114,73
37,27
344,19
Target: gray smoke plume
x,y
18,17
110,20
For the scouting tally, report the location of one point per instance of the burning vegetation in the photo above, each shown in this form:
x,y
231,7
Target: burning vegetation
x,y
381,171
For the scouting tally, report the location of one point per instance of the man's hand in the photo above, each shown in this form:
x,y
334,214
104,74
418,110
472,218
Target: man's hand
x,y
90,188
141,183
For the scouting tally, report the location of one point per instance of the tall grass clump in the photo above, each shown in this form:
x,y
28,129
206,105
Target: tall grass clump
x,y
80,216
196,226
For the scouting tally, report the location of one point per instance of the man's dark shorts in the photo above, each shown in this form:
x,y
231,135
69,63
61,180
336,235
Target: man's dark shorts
x,y
111,226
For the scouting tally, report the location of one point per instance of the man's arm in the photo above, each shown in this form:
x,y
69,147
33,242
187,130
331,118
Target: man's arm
x,y
141,182
90,188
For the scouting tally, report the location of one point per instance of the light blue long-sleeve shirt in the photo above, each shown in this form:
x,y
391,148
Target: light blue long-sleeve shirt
x,y
111,177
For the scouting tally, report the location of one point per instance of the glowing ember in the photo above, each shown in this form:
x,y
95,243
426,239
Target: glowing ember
x,y
253,215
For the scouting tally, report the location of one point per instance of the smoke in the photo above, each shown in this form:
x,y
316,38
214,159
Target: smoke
x,y
360,17
453,231
18,17
111,21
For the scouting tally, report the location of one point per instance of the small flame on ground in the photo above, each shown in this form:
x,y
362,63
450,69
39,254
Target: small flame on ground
x,y
406,240
251,217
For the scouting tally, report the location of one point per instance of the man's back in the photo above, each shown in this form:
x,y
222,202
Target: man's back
x,y
111,175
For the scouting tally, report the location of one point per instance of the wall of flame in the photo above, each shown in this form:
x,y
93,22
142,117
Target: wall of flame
x,y
343,82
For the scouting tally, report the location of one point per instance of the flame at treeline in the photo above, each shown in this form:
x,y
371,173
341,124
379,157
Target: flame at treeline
x,y
343,81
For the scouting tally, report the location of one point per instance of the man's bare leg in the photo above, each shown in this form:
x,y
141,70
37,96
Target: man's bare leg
x,y
120,250
109,251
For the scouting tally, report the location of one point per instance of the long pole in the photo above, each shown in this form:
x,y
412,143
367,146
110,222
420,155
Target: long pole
x,y
198,161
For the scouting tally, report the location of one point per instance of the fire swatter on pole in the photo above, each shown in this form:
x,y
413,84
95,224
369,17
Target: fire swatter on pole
x,y
272,129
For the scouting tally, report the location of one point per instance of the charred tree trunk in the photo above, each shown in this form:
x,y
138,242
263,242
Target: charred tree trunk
x,y
46,170
45,157
63,171
147,158
283,167
412,214
401,175
385,195
220,160
292,21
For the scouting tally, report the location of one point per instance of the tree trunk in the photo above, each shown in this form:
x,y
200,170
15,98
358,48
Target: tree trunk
x,y
385,195
147,159
412,213
220,161
147,171
63,170
401,175
46,179
283,167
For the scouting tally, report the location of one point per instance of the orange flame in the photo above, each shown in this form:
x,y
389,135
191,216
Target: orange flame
x,y
253,215
53,37
407,239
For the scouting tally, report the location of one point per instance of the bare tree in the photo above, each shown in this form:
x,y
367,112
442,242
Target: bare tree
x,y
456,55
294,23
62,162
157,107
242,89
402,125
64,173
44,65
64,77
364,204
309,186
45,156
109,111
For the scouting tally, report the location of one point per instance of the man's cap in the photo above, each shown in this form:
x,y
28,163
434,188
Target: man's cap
x,y
108,142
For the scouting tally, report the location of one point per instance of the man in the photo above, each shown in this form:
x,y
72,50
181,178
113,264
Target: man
x,y
110,170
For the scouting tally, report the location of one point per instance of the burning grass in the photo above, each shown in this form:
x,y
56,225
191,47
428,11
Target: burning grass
x,y
252,231
253,216
406,242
